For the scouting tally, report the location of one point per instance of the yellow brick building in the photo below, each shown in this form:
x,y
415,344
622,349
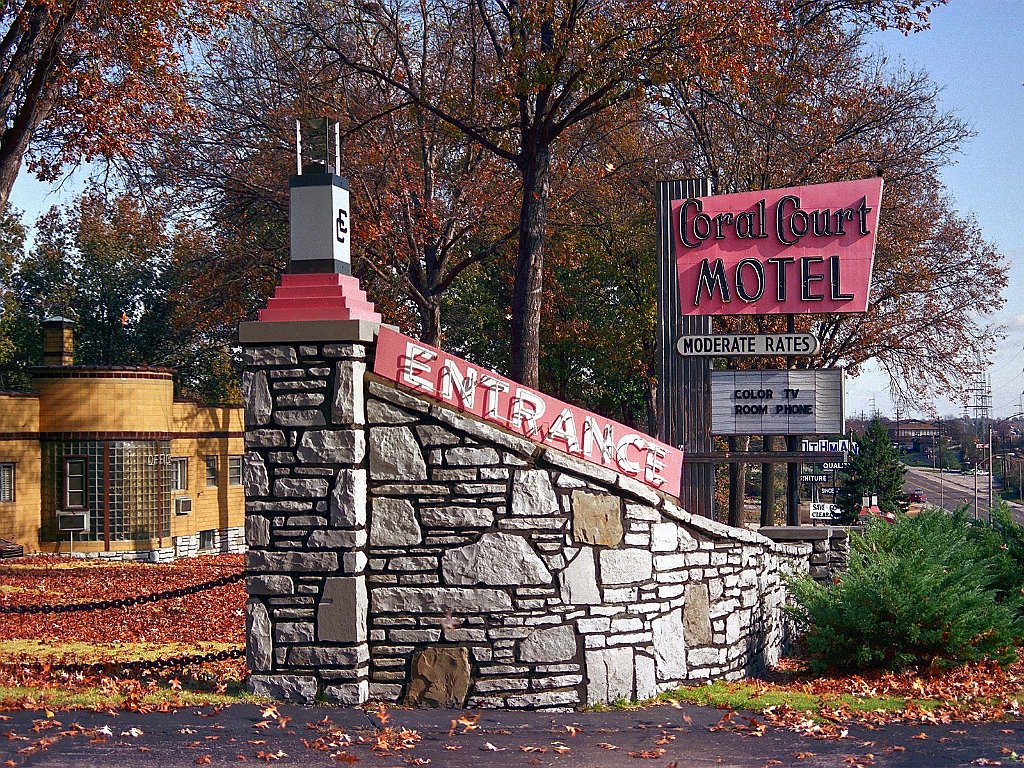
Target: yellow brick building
x,y
106,455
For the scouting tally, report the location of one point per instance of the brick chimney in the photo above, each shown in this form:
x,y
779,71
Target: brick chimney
x,y
58,341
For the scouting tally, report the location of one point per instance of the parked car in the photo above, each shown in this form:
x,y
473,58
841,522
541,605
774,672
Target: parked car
x,y
917,497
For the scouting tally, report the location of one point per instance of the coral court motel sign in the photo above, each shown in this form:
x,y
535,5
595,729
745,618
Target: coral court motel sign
x,y
783,251
537,417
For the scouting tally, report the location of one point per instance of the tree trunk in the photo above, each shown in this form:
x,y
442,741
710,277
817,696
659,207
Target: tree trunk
x,y
737,481
527,292
768,485
430,320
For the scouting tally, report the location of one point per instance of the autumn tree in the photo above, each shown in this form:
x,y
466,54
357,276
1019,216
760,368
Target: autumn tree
x,y
112,267
83,80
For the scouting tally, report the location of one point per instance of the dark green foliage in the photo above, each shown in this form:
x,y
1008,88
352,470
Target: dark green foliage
x,y
1004,538
920,592
875,470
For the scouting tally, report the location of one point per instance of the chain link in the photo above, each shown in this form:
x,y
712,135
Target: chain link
x,y
126,602
174,662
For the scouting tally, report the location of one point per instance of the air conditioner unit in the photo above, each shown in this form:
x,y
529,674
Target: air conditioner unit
x,y
182,505
77,522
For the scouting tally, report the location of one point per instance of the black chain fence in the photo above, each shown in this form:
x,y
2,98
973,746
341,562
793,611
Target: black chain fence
x,y
126,602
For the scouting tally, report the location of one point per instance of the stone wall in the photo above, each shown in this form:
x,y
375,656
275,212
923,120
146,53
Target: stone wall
x,y
407,552
829,544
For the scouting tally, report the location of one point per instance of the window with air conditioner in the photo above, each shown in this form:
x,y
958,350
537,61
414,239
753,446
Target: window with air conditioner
x,y
75,490
182,505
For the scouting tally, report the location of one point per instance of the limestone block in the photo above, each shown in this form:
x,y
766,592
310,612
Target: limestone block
x,y
440,677
596,518
256,394
471,457
293,632
348,499
669,646
393,523
347,694
609,674
320,656
291,487
269,356
265,438
430,434
331,446
579,580
300,417
533,494
664,537
254,476
548,645
379,412
397,397
269,585
347,405
646,685
496,559
299,689
395,455
625,566
697,616
285,562
341,616
457,517
257,531
438,600
259,644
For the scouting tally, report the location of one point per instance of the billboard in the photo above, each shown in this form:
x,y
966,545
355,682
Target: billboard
x,y
778,402
799,250
504,403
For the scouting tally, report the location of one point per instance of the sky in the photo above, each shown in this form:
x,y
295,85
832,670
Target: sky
x,y
973,51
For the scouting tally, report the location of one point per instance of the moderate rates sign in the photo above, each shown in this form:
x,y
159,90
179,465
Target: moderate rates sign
x,y
526,412
782,251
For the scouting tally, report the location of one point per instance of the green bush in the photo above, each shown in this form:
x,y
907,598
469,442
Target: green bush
x,y
920,592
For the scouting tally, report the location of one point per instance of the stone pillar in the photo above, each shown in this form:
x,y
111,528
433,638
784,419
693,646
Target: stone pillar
x,y
305,485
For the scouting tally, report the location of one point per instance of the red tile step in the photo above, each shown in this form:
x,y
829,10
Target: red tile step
x,y
319,296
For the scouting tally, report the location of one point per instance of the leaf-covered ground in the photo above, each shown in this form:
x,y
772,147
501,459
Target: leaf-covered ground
x,y
35,648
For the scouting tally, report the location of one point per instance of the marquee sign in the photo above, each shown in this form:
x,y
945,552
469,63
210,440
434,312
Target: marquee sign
x,y
803,249
781,402
524,411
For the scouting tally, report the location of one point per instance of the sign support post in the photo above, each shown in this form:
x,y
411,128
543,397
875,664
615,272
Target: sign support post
x,y
792,445
684,382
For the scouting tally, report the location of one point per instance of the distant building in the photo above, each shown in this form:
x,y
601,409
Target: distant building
x,y
913,435
108,453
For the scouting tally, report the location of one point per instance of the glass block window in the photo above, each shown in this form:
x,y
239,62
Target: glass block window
x,y
75,485
179,474
234,470
126,488
207,539
6,482
211,471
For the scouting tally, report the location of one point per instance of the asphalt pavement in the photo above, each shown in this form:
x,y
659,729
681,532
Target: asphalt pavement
x,y
951,490
686,737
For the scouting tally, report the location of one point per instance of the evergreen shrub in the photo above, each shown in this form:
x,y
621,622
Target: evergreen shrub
x,y
923,592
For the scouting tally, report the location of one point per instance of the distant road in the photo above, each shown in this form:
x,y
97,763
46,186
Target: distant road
x,y
951,490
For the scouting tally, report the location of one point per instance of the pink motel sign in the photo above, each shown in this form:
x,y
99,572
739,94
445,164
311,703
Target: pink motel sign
x,y
526,412
799,250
